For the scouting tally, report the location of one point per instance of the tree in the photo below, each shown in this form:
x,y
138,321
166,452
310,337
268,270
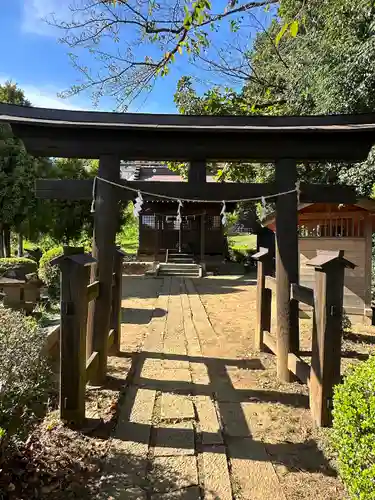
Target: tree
x,y
20,210
16,171
326,66
137,41
63,221
17,175
12,94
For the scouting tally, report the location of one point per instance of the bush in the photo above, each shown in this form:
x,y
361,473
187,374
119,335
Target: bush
x,y
19,263
49,274
353,433
242,256
25,375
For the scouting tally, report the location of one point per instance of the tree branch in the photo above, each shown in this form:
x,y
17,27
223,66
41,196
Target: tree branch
x,y
133,27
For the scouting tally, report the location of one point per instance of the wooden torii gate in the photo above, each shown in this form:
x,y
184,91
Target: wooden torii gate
x,y
284,141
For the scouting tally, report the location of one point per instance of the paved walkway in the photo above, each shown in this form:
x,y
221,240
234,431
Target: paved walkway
x,y
184,431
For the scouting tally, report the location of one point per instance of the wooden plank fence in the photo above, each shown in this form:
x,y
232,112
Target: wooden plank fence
x,y
76,367
327,304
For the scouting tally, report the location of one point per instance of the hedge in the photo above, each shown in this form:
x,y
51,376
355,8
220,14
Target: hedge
x,y
29,265
49,274
353,435
25,374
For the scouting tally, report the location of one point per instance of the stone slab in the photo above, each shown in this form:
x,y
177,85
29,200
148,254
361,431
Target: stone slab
x,y
174,346
193,344
132,432
143,406
174,439
176,364
176,406
199,374
192,493
167,380
208,421
173,473
252,470
216,474
125,466
151,368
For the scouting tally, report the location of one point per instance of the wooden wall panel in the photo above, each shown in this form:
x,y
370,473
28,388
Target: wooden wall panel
x,y
356,281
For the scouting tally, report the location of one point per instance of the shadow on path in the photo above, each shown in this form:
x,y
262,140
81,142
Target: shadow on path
x,y
140,316
134,286
240,443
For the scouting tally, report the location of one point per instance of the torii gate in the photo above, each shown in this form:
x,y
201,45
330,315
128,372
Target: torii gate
x,y
195,139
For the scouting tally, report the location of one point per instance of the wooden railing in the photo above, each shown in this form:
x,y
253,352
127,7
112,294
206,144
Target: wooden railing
x,y
327,314
76,294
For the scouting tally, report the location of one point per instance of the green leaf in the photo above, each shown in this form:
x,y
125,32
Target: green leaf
x,y
294,28
281,34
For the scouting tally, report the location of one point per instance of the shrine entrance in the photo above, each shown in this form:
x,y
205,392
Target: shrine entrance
x,y
111,137
179,236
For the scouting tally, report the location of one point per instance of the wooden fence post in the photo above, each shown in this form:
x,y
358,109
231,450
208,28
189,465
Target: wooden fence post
x,y
115,323
74,267
327,332
264,298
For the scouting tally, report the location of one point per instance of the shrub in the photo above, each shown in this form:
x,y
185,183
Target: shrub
x,y
353,433
25,375
19,263
50,274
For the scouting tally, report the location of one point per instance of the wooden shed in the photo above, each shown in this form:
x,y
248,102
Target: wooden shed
x,y
323,226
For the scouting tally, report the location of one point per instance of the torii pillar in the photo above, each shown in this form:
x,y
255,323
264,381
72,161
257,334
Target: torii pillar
x,y
287,265
106,218
198,174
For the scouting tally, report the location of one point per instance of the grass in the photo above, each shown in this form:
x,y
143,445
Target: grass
x,y
128,237
45,315
242,242
128,244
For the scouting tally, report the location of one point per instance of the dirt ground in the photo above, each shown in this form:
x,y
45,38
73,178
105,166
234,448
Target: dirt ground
x,y
301,454
298,451
146,437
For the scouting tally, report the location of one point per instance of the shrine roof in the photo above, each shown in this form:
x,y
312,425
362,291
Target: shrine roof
x,y
152,171
136,136
362,205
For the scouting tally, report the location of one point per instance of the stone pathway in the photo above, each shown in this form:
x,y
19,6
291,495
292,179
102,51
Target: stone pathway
x,y
186,429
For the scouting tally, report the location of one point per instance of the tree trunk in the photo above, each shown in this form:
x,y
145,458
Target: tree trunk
x,y
6,236
20,245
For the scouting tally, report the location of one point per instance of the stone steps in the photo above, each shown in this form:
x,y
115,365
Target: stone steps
x,y
180,258
179,269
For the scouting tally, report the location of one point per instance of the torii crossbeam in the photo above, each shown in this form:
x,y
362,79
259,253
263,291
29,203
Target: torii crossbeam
x,y
112,137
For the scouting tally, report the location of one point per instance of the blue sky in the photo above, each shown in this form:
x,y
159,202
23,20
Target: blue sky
x,y
33,58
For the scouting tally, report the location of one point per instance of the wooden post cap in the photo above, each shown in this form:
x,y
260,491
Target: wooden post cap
x,y
325,258
82,259
72,250
261,255
120,252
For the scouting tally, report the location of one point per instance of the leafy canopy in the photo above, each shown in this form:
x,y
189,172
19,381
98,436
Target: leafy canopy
x,y
325,66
